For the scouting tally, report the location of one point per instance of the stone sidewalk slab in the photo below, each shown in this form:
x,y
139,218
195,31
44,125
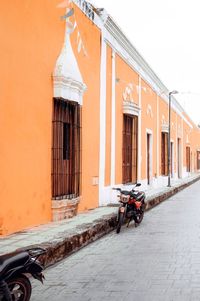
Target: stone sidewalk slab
x,y
62,238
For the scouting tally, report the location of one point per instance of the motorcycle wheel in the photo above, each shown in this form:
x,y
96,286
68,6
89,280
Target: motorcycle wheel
x,y
120,222
20,288
140,218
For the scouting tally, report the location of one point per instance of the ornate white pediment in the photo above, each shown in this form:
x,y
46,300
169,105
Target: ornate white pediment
x,y
67,79
165,128
131,108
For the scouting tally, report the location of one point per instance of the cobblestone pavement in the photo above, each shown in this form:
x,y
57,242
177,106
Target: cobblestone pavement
x,y
159,260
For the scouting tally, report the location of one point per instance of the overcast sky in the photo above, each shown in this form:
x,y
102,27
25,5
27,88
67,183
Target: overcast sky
x,y
166,34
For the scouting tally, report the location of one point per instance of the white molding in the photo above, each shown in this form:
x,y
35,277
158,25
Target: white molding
x,y
131,108
102,151
172,158
139,154
182,149
176,144
113,121
120,43
67,79
68,89
150,132
165,128
158,137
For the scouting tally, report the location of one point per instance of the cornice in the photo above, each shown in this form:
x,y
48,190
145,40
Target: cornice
x,y
131,108
143,67
68,89
114,36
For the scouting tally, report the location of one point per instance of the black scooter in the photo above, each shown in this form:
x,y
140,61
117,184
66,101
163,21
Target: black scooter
x,y
14,269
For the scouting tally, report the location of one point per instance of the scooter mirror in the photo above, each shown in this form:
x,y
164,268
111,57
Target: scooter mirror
x,y
138,184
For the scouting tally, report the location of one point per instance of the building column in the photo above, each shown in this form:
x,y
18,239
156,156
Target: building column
x,y
102,150
158,138
139,130
113,121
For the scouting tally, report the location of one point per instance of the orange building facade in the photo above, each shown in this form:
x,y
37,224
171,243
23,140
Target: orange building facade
x,y
80,112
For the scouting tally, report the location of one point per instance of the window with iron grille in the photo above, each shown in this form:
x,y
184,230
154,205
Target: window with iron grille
x,y
130,149
164,154
66,163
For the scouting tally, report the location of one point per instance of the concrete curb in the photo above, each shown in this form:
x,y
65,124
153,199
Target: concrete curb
x,y
64,246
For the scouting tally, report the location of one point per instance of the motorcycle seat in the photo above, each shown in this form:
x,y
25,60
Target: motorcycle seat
x,y
12,260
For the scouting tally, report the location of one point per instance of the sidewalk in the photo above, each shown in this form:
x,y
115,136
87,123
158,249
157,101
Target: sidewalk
x,y
62,238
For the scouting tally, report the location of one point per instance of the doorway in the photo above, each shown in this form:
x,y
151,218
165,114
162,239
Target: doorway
x,y
149,158
130,149
179,157
172,159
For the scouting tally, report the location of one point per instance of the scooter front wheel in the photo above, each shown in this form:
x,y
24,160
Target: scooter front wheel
x,y
120,222
20,288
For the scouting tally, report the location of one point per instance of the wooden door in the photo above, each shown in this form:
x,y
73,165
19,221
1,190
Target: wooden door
x,y
198,160
187,158
127,148
148,159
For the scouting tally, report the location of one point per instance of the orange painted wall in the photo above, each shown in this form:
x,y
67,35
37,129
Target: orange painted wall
x,y
124,76
108,115
186,141
29,47
191,138
148,121
32,36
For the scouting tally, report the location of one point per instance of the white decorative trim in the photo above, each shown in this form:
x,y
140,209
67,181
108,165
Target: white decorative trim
x,y
158,138
182,144
139,154
113,125
128,93
149,111
86,7
179,131
102,151
67,79
176,144
68,89
131,108
172,157
165,128
150,132
120,43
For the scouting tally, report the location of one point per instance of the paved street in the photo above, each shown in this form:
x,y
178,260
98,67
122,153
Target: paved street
x,y
159,260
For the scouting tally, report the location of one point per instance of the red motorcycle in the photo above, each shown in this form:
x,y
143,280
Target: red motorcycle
x,y
132,206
